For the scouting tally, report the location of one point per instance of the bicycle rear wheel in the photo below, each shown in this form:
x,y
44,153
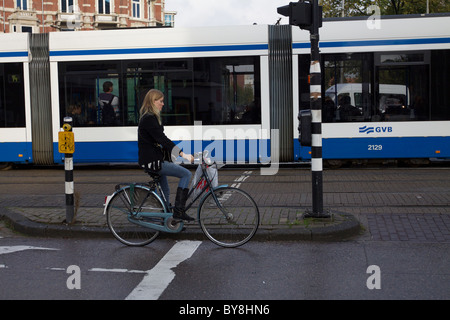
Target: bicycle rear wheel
x,y
121,211
232,225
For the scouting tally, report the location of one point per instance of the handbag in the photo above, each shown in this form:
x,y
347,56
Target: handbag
x,y
199,182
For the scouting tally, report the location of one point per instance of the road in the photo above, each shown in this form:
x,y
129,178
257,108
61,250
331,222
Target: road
x,y
47,269
402,255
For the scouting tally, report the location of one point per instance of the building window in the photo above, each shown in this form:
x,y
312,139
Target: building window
x,y
67,6
22,4
136,8
168,20
104,6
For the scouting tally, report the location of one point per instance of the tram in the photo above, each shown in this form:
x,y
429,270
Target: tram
x,y
234,90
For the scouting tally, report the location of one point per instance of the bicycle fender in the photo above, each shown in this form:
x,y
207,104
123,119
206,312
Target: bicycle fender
x,y
105,205
221,186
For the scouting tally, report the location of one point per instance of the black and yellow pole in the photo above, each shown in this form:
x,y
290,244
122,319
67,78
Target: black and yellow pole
x,y
66,145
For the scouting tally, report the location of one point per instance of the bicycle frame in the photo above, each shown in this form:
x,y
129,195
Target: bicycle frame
x,y
169,225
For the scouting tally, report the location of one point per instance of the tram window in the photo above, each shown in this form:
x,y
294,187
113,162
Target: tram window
x,y
221,90
171,76
12,101
347,88
81,89
402,93
227,90
403,86
399,58
83,97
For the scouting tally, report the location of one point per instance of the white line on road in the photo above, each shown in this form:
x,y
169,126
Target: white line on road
x,y
158,278
116,270
100,270
11,249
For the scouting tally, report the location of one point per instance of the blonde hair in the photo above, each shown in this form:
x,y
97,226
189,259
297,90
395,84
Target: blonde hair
x,y
148,106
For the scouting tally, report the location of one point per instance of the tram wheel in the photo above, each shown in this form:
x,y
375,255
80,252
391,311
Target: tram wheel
x,y
334,163
6,165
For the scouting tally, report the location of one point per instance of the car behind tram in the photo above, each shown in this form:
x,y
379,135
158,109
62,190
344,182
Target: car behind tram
x,y
234,90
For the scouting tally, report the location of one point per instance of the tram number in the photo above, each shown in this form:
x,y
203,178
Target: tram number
x,y
375,147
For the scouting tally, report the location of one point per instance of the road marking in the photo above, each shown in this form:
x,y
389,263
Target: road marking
x,y
101,270
11,249
157,279
241,179
116,270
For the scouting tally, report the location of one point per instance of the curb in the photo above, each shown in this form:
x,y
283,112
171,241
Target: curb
x,y
36,229
348,227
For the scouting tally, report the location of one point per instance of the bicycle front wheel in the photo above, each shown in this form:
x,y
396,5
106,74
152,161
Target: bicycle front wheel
x,y
121,215
232,223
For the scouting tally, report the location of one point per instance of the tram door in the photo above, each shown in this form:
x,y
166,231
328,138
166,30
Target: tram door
x,y
402,87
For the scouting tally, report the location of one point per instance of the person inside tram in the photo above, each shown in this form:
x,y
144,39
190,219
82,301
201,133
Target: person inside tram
x,y
76,114
157,151
346,110
328,110
109,105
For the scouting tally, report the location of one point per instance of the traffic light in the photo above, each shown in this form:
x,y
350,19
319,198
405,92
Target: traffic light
x,y
301,14
304,128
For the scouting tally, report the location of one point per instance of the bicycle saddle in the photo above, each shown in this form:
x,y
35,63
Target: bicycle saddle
x,y
155,175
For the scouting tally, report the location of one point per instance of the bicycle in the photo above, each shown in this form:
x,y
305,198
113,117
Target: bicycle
x,y
137,212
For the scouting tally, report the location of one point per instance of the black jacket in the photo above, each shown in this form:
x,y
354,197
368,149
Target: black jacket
x,y
153,143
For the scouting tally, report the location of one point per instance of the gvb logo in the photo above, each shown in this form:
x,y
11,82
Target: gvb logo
x,y
369,130
366,129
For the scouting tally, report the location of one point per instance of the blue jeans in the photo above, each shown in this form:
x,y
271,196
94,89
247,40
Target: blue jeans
x,y
173,170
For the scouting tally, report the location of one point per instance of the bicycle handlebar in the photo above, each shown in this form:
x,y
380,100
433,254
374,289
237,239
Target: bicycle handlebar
x,y
203,155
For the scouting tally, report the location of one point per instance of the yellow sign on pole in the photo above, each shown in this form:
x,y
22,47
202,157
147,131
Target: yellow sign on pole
x,y
66,142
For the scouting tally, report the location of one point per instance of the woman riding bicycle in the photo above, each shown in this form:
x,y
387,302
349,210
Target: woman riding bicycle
x,y
156,152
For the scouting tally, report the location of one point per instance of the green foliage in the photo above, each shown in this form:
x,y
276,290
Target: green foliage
x,y
333,8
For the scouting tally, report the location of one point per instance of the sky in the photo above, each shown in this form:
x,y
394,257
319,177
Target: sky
x,y
195,13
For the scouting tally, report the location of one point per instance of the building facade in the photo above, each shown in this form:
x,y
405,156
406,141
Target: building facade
x,y
39,16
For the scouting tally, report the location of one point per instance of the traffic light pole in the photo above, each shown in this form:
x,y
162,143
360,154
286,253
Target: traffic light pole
x,y
316,119
307,14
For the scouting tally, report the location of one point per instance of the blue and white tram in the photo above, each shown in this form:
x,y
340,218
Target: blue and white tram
x,y
234,90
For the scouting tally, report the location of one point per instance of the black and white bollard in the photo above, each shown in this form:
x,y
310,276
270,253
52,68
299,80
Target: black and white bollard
x,y
68,167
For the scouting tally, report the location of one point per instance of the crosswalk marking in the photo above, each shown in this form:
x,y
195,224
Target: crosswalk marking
x,y
157,279
241,179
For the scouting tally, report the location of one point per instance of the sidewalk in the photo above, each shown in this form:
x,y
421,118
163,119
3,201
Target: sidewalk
x,y
277,223
382,204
